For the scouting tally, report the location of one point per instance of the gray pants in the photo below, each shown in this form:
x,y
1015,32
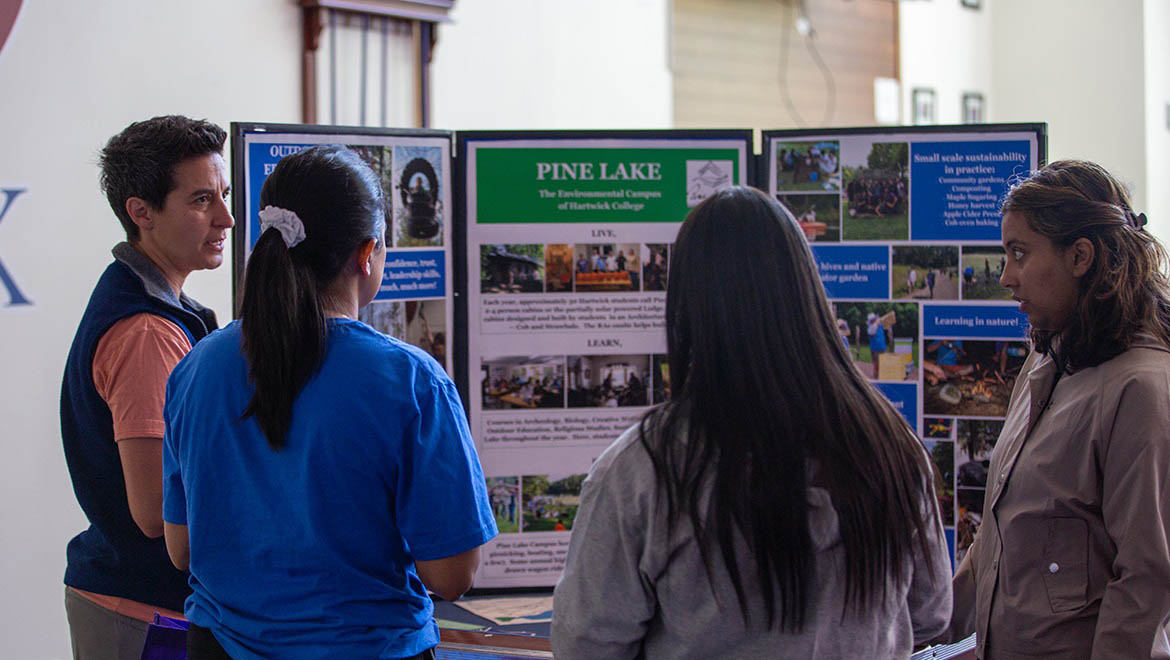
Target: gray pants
x,y
101,634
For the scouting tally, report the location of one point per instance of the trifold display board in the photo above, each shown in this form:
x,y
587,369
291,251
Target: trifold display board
x,y
568,243
415,299
904,225
545,255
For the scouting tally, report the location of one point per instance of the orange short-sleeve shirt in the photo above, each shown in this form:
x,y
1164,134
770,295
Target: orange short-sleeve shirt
x,y
130,369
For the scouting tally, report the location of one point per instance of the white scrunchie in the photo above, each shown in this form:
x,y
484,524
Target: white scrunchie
x,y
291,229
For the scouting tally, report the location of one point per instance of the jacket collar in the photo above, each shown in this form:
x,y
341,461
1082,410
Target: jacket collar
x,y
153,282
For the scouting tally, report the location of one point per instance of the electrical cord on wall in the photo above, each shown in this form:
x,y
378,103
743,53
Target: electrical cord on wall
x,y
804,27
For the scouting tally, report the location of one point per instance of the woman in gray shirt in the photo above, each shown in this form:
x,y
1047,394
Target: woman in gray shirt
x,y
777,506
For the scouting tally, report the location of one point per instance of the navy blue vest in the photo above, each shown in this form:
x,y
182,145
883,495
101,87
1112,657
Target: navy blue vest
x,y
113,557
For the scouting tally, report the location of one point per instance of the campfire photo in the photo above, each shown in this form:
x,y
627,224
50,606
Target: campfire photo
x,y
970,377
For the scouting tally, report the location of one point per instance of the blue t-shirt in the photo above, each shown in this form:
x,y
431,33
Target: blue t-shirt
x,y
309,551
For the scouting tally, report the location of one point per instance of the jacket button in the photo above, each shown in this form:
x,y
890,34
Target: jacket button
x,y
1053,567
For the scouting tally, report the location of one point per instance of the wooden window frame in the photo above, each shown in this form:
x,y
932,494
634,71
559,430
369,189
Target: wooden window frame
x,y
424,17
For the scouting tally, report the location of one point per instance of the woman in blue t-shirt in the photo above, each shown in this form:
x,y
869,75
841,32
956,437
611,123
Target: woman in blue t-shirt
x,y
319,477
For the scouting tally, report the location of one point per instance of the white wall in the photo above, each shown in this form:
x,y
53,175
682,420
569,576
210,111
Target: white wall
x,y
1156,30
1098,73
1078,65
555,64
945,47
71,75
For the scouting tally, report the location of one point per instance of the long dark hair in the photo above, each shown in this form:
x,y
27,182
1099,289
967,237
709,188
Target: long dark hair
x,y
766,402
338,198
1125,291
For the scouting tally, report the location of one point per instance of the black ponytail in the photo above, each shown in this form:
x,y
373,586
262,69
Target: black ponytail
x,y
338,199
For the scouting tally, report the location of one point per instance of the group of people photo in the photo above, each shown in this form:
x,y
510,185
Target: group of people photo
x,y
609,381
607,267
523,382
550,502
583,267
297,484
808,165
877,194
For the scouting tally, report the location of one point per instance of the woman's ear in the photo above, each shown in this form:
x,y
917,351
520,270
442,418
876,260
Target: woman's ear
x,y
364,253
1082,253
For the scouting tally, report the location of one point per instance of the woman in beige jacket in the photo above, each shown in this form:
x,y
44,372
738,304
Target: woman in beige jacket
x,y
1072,560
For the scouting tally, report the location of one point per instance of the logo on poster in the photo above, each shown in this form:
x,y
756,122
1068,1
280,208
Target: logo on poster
x,y
705,178
15,297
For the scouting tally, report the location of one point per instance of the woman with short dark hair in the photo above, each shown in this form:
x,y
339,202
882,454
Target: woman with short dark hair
x,y
777,506
1072,560
318,476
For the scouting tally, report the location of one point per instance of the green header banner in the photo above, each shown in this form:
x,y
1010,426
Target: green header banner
x,y
555,185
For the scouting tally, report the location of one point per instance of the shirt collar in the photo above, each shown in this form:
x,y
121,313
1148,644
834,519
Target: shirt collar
x,y
152,278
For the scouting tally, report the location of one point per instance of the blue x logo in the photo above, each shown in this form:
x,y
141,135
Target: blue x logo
x,y
15,297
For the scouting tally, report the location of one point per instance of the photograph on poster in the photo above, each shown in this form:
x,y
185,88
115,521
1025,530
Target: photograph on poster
x,y
882,338
388,318
876,201
976,437
550,501
819,215
505,496
942,454
925,272
524,381
982,267
380,159
659,378
938,428
511,268
608,381
808,165
606,267
558,267
655,259
970,377
418,206
426,327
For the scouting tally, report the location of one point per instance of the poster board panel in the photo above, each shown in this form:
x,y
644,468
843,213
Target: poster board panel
x,y
416,299
904,225
568,239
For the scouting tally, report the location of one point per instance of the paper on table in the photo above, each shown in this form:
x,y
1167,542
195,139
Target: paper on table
x,y
506,610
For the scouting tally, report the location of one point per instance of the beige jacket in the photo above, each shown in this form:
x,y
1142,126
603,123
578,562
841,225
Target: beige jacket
x,y
1072,559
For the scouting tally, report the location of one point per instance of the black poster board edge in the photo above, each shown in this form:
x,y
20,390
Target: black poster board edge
x,y
462,138
762,168
239,130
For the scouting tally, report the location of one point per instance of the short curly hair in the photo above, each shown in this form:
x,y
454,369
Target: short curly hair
x,y
140,161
